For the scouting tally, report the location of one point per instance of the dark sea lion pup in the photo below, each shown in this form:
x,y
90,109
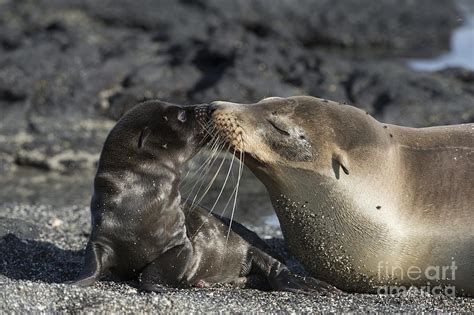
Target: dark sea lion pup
x,y
139,228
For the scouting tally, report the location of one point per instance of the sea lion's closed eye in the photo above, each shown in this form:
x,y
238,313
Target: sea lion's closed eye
x,y
278,127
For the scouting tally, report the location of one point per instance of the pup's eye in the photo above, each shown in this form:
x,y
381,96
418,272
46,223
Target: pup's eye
x,y
143,135
278,128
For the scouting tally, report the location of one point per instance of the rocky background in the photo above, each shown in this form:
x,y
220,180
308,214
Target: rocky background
x,y
70,69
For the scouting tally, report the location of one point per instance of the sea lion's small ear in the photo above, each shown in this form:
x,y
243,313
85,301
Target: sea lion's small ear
x,y
339,160
143,135
345,169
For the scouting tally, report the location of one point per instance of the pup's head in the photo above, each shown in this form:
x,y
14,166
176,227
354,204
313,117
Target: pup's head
x,y
156,130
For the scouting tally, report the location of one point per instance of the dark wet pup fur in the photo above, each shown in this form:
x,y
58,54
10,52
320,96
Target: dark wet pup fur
x,y
140,229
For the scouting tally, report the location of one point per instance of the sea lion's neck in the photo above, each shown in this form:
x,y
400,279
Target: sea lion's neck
x,y
327,220
322,199
322,207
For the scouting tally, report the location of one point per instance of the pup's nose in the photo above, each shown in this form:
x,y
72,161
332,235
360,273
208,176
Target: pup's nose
x,y
202,112
182,117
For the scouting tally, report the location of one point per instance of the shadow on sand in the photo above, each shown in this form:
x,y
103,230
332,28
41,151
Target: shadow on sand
x,y
26,259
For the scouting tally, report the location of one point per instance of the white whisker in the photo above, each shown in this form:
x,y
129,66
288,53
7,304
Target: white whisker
x,y
210,182
201,171
235,197
223,186
211,143
204,173
222,189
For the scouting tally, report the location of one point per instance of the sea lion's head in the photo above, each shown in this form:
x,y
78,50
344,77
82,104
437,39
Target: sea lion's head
x,y
296,132
157,131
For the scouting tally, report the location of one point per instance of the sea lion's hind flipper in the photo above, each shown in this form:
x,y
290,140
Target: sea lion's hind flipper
x,y
280,278
168,270
97,261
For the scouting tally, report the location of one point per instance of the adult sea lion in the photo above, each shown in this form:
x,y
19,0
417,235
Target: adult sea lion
x,y
139,228
365,206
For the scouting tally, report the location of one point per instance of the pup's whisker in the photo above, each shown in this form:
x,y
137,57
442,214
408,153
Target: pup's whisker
x,y
205,171
212,181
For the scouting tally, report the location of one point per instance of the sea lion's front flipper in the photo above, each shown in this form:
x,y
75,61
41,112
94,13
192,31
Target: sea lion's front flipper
x,y
96,262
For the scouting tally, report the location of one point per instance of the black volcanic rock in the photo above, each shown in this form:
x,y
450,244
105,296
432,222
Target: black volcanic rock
x,y
69,69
